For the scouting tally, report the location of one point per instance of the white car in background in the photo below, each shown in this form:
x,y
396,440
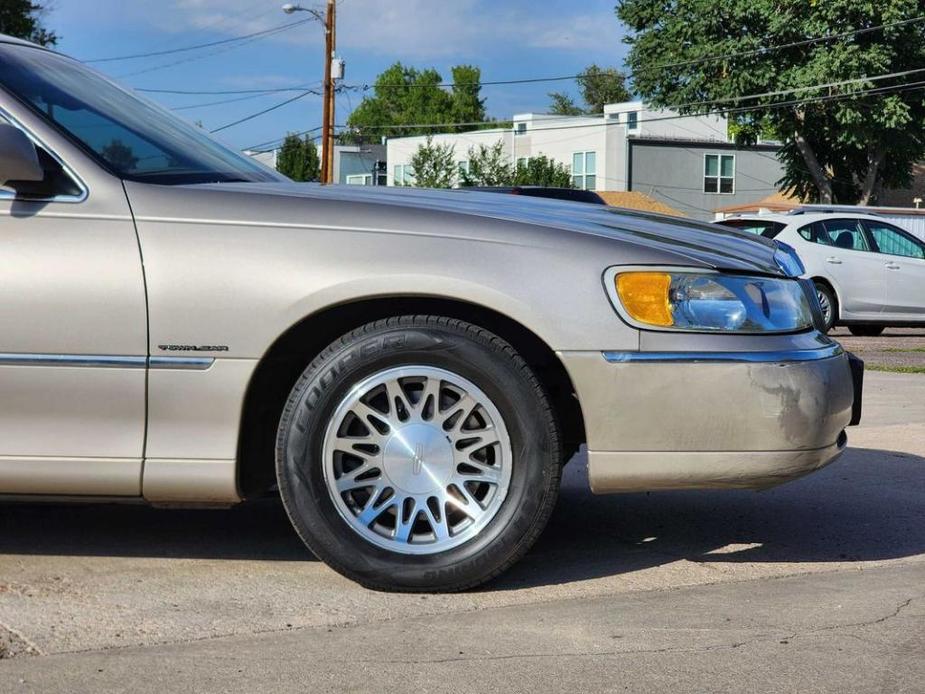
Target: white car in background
x,y
869,274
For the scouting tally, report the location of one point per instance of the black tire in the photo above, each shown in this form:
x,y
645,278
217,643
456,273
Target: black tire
x,y
827,297
866,330
456,346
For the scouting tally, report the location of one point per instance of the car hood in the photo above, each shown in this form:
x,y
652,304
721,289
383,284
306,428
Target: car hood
x,y
688,240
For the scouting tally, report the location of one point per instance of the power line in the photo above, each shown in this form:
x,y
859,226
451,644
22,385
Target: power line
x,y
220,49
185,49
250,95
277,140
199,92
561,78
221,19
470,85
266,110
742,109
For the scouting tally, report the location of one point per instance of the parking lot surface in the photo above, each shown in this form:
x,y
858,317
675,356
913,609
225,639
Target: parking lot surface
x,y
896,349
817,584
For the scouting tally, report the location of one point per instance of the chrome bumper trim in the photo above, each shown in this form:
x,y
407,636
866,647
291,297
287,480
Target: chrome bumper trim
x,y
184,363
798,355
99,361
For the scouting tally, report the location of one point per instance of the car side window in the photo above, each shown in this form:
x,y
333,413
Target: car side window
x,y
892,241
847,234
811,232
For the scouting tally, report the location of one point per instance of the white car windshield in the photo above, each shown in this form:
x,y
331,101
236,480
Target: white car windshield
x,y
132,137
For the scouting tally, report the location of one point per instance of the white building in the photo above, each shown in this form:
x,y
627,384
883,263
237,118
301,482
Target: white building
x,y
594,148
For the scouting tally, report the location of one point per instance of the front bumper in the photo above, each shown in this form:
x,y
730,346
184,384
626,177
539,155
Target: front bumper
x,y
700,420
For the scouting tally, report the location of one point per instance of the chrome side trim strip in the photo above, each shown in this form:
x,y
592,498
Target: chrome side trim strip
x,y
797,355
185,363
106,361
86,360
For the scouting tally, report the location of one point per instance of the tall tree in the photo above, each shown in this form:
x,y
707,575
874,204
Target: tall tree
x,y
840,144
599,86
404,96
23,19
298,159
466,104
434,165
564,105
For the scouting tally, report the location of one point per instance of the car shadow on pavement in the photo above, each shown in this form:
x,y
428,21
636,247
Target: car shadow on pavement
x,y
257,530
867,506
870,505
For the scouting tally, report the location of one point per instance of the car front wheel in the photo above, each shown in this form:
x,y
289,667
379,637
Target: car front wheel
x,y
418,453
828,303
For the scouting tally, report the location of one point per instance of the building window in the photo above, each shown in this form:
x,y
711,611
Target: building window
x,y
632,121
719,173
523,162
404,175
360,180
463,168
520,129
584,170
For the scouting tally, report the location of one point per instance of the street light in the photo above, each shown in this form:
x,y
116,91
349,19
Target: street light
x,y
289,8
329,21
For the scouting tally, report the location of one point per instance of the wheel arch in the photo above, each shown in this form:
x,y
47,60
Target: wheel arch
x,y
280,367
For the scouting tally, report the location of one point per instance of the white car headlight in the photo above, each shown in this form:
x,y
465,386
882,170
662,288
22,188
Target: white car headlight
x,y
710,302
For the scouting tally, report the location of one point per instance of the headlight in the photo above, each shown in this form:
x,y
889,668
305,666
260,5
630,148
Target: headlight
x,y
710,302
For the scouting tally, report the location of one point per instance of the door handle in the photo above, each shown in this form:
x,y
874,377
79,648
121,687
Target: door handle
x,y
893,266
832,259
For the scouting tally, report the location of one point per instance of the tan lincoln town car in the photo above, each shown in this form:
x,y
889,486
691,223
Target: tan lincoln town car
x,y
408,370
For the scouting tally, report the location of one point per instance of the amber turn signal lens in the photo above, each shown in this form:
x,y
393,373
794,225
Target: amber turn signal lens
x,y
645,296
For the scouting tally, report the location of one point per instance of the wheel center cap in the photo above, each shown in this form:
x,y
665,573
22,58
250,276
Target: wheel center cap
x,y
418,459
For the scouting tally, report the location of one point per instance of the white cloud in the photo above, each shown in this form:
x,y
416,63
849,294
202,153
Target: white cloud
x,y
413,29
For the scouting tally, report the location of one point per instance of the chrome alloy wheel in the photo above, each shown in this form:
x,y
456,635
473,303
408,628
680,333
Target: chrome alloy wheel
x,y
826,306
417,459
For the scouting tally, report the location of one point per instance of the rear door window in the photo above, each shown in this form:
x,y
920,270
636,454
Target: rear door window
x,y
893,241
847,234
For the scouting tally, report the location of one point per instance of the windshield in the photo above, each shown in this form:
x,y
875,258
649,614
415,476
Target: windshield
x,y
132,137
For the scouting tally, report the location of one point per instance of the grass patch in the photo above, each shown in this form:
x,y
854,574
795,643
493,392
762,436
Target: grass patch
x,y
896,369
902,350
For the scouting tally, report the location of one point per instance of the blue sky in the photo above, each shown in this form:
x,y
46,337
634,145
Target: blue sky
x,y
508,39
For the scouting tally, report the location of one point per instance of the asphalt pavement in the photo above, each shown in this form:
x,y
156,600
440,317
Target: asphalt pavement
x,y
815,585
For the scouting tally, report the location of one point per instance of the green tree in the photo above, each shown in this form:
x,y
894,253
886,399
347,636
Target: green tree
x,y
434,165
404,96
543,171
466,104
839,144
23,19
564,105
298,159
488,166
599,86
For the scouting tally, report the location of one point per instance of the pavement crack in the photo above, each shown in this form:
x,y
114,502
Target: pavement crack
x,y
31,647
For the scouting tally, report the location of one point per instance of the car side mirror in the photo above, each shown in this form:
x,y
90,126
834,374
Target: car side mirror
x,y
19,160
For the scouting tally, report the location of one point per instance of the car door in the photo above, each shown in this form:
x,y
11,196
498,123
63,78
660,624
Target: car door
x,y
73,326
843,253
903,256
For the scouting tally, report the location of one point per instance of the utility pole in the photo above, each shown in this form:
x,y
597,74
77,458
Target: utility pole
x,y
327,127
